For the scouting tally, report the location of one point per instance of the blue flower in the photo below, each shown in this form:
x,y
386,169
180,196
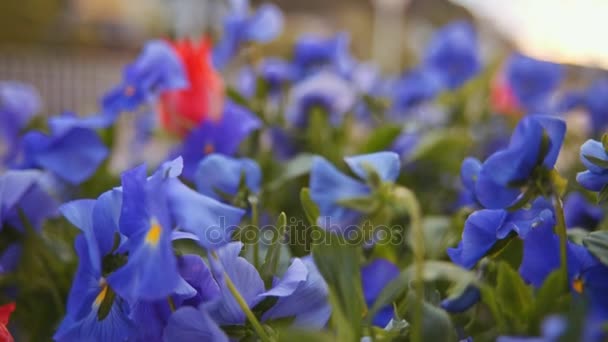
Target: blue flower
x,y
19,102
485,227
328,186
454,54
242,27
94,312
594,157
325,91
374,277
532,81
552,330
73,154
274,72
405,144
469,297
156,69
596,101
534,144
308,304
581,213
313,53
217,175
193,324
24,190
223,136
413,89
301,292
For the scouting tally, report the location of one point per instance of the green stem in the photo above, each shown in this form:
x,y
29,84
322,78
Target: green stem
x,y
245,307
408,199
171,303
257,326
560,230
255,220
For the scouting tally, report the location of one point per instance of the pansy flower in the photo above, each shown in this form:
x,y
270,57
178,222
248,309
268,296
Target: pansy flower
x,y
324,91
72,155
329,186
532,81
484,228
581,213
313,53
453,53
218,176
157,69
594,157
241,27
374,278
217,136
534,147
19,103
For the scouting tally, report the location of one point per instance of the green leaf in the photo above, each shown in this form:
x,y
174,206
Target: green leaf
x,y
605,142
338,263
560,183
310,208
273,254
602,196
513,295
235,96
549,297
433,270
296,167
381,138
297,335
597,161
597,243
366,205
443,147
436,323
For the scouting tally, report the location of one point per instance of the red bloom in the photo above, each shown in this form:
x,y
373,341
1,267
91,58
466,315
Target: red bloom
x,y
502,99
182,110
5,314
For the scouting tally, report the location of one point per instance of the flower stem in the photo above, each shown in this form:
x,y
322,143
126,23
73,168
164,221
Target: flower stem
x,y
408,199
255,221
560,230
245,307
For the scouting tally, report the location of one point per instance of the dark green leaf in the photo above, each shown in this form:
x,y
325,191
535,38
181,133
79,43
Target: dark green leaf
x,y
365,205
235,96
605,142
602,196
597,243
513,295
597,161
381,138
296,167
436,323
273,254
338,263
296,335
310,208
548,296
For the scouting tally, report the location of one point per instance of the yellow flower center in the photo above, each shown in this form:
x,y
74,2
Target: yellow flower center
x,y
101,296
577,285
153,234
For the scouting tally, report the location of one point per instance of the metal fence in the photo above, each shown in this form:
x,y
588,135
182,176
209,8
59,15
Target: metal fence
x,y
68,80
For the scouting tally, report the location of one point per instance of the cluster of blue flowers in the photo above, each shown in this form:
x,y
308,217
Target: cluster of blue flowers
x,y
391,223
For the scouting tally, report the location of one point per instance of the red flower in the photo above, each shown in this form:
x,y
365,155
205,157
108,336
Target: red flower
x,y
182,110
5,314
502,99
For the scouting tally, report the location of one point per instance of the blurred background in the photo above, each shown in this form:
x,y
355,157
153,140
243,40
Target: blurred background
x,y
73,50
